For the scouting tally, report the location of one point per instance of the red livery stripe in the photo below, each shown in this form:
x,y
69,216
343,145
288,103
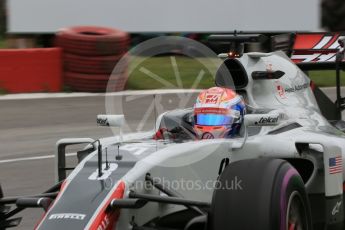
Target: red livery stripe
x,y
307,41
104,220
332,41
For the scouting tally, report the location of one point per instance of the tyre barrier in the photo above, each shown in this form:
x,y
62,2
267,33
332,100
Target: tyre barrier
x,y
95,82
93,41
96,48
90,55
92,65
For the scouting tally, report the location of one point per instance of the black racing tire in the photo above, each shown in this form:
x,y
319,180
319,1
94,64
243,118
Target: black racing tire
x,y
271,196
333,15
93,41
92,64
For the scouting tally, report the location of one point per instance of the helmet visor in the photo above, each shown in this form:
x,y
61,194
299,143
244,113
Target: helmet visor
x,y
213,119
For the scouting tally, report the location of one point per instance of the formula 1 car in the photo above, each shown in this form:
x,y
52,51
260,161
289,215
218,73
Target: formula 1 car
x,y
284,171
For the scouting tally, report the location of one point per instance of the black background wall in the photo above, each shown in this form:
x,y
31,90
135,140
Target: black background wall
x,y
2,18
333,15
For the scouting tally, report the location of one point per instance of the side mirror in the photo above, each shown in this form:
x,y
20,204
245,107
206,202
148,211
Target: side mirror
x,y
111,120
262,119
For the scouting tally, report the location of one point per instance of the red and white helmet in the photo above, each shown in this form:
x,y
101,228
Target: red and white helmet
x,y
218,113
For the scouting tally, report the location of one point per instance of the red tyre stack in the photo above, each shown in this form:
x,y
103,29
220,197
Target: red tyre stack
x,y
90,55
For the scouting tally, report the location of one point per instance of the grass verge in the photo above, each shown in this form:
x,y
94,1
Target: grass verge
x,y
326,78
159,73
145,75
2,43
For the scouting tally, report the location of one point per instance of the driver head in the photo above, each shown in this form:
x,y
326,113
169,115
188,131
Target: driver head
x,y
218,113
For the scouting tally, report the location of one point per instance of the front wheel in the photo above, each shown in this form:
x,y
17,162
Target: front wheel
x,y
260,194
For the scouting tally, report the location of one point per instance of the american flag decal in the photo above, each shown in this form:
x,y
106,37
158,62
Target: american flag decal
x,y
335,165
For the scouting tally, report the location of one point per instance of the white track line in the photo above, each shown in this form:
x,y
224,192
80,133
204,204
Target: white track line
x,y
23,96
33,158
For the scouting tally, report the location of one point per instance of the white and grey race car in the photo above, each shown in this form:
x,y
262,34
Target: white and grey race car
x,y
284,171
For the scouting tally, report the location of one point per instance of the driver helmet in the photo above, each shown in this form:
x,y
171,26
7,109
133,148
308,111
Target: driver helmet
x,y
218,113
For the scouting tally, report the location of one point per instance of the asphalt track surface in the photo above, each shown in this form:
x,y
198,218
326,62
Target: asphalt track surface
x,y
29,129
